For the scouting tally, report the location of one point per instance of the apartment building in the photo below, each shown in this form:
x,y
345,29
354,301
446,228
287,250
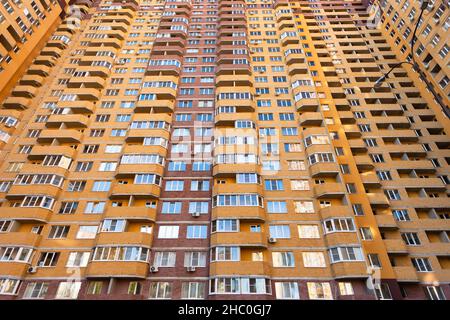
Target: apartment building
x,y
24,28
207,149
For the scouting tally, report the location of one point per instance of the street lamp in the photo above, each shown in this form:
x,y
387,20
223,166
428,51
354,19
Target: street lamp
x,y
415,66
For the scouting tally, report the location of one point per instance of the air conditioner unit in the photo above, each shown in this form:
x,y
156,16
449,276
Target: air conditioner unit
x,y
196,214
272,240
32,269
190,269
153,269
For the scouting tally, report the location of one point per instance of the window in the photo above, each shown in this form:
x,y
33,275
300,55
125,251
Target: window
x,y
300,185
280,231
101,186
287,290
422,264
113,225
276,207
9,286
68,290
341,254
374,260
87,232
200,185
168,232
48,259
94,207
319,290
383,292
35,290
58,232
197,232
193,290
303,207
198,207
160,290
195,259
366,233
346,289
393,194
225,254
225,225
308,232
339,225
435,293
313,260
283,259
411,238
78,259
401,215
171,207
165,259
240,285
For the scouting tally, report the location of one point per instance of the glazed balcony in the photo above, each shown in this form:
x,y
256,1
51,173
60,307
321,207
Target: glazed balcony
x,y
340,238
140,134
244,212
26,214
124,238
117,269
30,168
61,135
69,120
244,105
142,191
242,239
131,213
231,80
161,93
236,69
108,42
239,268
329,190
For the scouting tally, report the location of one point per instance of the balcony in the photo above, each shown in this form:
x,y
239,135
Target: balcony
x,y
228,119
324,169
246,212
13,269
241,239
348,270
239,268
142,191
378,199
311,119
24,91
117,269
129,170
16,103
78,106
131,213
370,179
232,187
45,60
224,170
124,238
32,80
159,106
351,131
386,221
307,105
329,190
363,162
88,82
341,238
335,211
39,70
22,190
61,135
25,214
397,246
26,239
406,274
69,120
139,134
